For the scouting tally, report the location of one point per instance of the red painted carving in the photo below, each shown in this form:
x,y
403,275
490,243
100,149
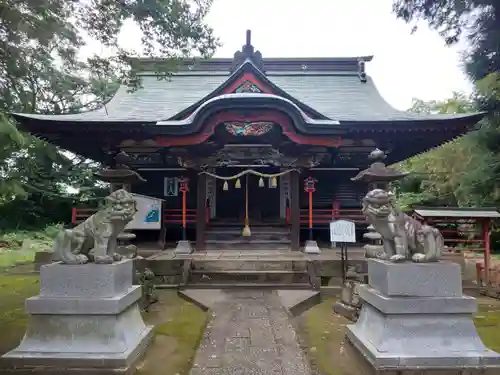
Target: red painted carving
x,y
248,77
267,116
248,128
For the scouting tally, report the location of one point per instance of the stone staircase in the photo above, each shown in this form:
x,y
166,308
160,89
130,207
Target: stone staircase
x,y
263,238
263,273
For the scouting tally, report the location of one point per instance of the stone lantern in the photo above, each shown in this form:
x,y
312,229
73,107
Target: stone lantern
x,y
120,176
376,176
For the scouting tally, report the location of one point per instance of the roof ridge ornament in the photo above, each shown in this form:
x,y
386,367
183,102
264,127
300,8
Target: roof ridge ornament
x,y
247,53
361,70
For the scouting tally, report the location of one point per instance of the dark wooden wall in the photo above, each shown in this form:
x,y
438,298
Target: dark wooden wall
x,y
330,186
154,187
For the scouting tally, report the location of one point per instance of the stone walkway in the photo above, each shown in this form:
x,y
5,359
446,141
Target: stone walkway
x,y
250,334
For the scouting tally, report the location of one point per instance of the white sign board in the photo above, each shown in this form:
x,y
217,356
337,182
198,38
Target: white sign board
x,y
342,231
148,215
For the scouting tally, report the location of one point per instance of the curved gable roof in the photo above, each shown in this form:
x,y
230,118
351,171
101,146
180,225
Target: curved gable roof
x,y
326,89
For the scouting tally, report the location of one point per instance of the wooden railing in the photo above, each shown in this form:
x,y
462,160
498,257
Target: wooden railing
x,y
81,214
170,215
174,215
323,216
461,233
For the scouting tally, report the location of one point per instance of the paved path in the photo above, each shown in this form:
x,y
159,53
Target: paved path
x,y
250,334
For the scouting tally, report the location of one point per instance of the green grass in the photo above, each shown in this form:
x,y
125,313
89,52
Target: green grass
x,y
13,320
487,322
325,332
179,326
20,246
185,326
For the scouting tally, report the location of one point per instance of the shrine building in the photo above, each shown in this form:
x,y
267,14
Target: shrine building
x,y
234,143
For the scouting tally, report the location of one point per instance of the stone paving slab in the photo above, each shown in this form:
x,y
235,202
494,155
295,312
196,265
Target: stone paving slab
x,y
250,334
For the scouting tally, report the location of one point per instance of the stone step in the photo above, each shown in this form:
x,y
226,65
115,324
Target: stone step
x,y
248,246
249,265
248,276
236,236
248,241
295,286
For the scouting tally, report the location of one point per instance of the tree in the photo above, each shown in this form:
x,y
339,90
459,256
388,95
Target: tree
x,y
41,72
442,176
476,20
479,22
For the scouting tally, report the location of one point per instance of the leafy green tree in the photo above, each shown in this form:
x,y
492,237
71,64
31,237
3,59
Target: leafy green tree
x,y
41,71
441,176
478,21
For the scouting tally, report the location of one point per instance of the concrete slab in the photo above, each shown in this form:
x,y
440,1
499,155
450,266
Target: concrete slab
x,y
204,298
298,301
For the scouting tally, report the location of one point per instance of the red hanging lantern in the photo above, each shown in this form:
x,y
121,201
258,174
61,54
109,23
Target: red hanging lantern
x,y
310,185
184,184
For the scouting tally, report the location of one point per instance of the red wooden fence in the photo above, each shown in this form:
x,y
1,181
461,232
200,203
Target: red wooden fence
x,y
170,215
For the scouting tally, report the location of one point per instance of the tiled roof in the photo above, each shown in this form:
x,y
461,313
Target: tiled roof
x,y
458,212
338,95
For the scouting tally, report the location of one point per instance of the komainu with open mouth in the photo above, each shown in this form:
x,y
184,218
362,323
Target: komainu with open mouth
x,y
95,238
404,237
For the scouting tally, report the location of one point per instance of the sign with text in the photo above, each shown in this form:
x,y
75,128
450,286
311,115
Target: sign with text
x,y
342,231
148,215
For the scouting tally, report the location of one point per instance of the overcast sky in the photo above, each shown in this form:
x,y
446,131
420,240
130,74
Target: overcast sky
x,y
405,66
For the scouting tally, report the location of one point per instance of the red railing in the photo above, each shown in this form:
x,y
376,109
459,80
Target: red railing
x,y
325,215
174,215
461,233
170,215
468,234
81,214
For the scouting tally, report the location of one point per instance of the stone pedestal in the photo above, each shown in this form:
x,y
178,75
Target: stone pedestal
x,y
414,316
311,247
86,320
183,247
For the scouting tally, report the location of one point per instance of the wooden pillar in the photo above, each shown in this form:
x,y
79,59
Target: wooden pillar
x,y
487,252
201,206
295,209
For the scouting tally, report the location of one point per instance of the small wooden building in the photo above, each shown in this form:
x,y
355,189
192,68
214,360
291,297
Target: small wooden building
x,y
287,119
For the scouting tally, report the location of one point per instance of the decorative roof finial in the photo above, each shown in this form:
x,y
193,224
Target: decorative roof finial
x,y
248,49
247,52
249,38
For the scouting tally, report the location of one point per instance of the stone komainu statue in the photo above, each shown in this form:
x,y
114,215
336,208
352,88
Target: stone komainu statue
x,y
404,237
95,238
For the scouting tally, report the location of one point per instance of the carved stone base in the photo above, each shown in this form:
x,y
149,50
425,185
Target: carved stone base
x,y
85,320
183,247
311,247
415,317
